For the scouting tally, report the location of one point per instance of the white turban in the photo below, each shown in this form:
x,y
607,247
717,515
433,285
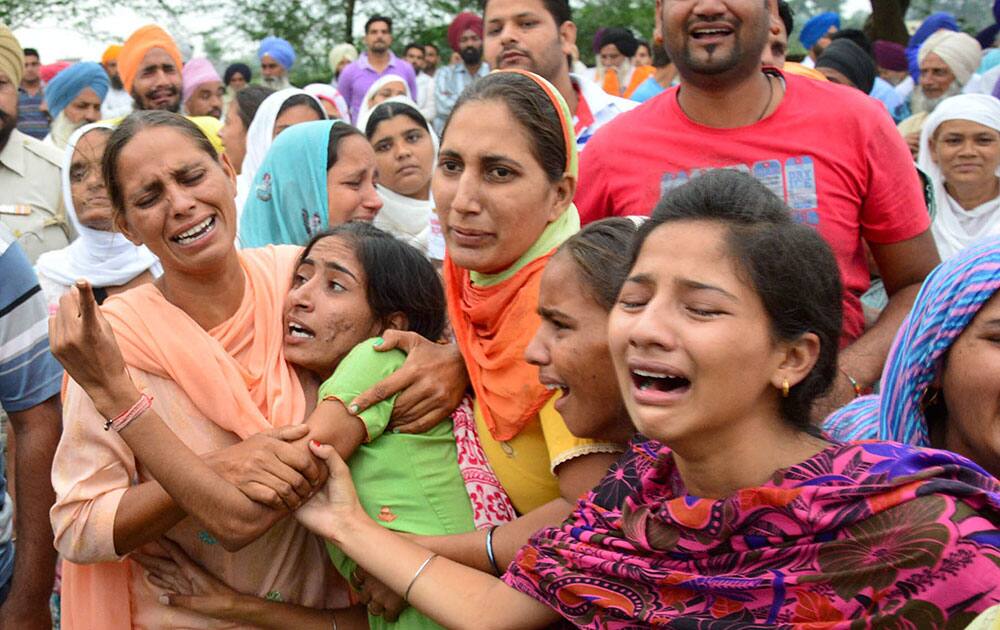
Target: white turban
x,y
961,52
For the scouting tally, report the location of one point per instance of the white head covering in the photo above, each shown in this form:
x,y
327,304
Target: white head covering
x,y
405,217
950,234
332,94
106,259
366,109
961,52
260,135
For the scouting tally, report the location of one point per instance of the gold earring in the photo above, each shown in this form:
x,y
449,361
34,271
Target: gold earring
x,y
784,388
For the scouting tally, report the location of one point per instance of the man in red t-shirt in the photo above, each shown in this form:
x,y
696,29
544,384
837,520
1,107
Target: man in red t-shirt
x,y
829,151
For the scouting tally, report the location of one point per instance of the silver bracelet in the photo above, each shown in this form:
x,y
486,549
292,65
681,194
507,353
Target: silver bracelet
x,y
333,618
406,595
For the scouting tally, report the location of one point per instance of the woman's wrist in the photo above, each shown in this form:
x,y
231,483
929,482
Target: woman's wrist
x,y
116,397
346,529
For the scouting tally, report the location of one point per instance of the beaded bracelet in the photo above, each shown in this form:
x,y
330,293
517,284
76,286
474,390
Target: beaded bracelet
x,y
125,418
858,389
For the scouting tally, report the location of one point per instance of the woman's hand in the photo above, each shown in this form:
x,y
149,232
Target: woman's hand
x,y
269,469
379,599
430,384
336,506
84,343
188,585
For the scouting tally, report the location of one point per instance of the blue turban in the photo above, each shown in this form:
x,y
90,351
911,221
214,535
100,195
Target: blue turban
x,y
66,85
931,25
817,27
278,49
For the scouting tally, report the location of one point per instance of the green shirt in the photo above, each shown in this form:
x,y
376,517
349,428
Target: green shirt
x,y
406,482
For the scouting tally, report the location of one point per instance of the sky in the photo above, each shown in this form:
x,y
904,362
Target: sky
x,y
55,42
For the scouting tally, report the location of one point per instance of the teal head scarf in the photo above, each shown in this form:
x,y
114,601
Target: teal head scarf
x,y
287,203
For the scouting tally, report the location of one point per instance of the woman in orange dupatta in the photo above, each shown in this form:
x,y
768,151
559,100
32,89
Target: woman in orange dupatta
x,y
205,341
504,189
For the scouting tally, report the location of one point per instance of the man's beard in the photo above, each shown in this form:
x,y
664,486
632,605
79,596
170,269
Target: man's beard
x,y
740,57
471,55
142,101
920,103
9,124
116,82
275,83
379,47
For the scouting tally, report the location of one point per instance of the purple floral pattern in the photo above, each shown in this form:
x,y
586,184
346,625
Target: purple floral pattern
x,y
868,534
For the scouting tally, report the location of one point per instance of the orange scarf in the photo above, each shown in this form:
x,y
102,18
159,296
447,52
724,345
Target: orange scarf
x,y
245,396
493,326
639,76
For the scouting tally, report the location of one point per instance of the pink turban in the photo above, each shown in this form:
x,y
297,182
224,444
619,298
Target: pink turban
x,y
197,72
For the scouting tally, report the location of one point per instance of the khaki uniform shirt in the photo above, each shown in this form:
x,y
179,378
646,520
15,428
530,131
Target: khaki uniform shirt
x,y
31,203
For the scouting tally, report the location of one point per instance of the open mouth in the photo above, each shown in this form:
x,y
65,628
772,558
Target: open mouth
x,y
711,32
299,331
196,233
647,380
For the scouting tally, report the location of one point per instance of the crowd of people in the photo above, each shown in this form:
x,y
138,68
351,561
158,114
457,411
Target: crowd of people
x,y
701,337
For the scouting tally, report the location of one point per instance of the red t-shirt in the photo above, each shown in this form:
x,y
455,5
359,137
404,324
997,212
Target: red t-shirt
x,y
829,151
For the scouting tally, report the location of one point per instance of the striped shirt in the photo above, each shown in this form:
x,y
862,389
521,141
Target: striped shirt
x,y
30,117
29,374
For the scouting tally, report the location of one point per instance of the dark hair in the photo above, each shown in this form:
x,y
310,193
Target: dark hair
x,y
788,264
530,106
399,279
127,130
661,59
378,18
558,9
409,46
390,109
338,132
600,252
248,101
787,16
432,45
302,99
32,53
644,44
856,36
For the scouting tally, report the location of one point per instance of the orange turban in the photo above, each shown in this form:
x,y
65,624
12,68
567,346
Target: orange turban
x,y
110,53
140,43
804,71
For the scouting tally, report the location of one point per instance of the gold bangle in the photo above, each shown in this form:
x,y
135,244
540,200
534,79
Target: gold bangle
x,y
406,595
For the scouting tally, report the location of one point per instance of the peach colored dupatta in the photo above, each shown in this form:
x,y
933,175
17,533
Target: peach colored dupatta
x,y
235,374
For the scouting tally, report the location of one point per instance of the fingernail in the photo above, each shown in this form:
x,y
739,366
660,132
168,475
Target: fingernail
x,y
378,341
164,600
353,409
315,443
394,431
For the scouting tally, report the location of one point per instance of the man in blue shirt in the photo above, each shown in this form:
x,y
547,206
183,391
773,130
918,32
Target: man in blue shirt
x,y
465,36
30,379
373,64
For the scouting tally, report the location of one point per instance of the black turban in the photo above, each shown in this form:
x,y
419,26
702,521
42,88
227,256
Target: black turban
x,y
852,61
622,38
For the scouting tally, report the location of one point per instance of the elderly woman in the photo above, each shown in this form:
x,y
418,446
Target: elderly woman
x,y
104,257
960,153
205,343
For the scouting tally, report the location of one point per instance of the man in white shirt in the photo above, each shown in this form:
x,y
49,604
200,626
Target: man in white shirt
x,y
538,35
414,54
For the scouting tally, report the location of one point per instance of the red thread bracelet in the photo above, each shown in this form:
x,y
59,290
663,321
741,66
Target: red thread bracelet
x,y
125,418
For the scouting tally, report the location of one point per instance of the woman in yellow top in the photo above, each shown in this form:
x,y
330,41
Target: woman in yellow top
x,y
504,188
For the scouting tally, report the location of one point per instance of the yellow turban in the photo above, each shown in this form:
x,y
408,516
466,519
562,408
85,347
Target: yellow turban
x,y
140,43
111,53
11,55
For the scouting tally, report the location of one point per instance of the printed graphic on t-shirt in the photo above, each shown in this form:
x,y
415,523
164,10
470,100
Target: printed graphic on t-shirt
x,y
793,181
